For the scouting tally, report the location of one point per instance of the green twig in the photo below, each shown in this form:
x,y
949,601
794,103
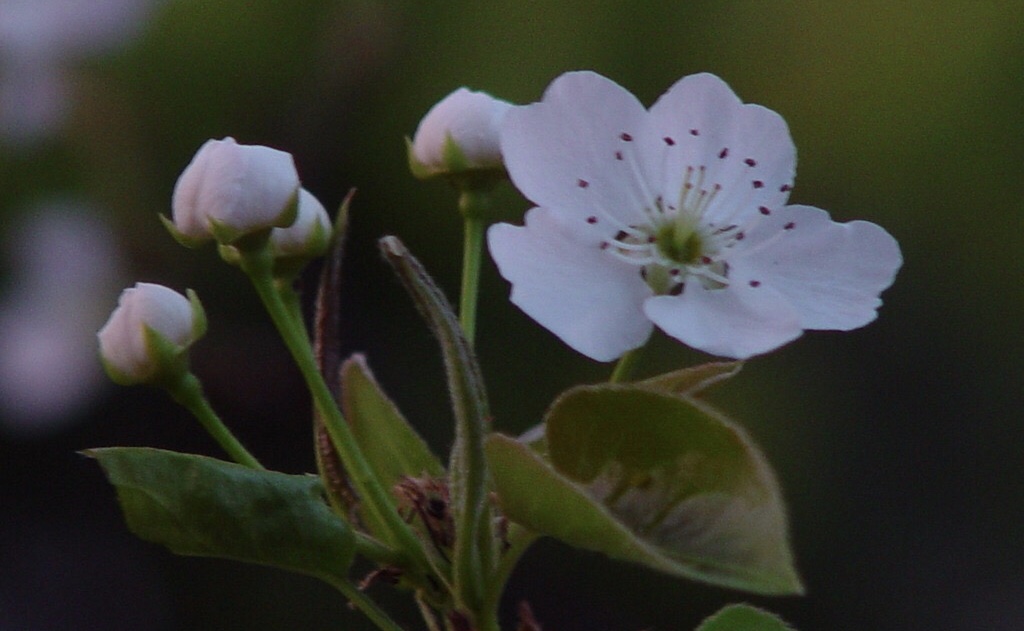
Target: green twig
x,y
257,263
472,205
188,391
363,603
627,364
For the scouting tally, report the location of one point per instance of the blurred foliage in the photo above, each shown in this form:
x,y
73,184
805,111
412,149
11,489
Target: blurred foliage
x,y
898,445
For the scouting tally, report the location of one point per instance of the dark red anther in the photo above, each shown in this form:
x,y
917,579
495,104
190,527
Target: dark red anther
x,y
750,162
789,226
758,183
723,153
582,183
765,210
591,219
755,283
626,137
669,141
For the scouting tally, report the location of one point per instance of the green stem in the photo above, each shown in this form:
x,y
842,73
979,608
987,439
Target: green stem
x,y
427,613
519,540
375,551
188,391
627,364
257,264
291,302
363,603
473,204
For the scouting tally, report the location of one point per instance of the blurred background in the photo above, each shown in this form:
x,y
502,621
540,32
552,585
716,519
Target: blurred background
x,y
899,446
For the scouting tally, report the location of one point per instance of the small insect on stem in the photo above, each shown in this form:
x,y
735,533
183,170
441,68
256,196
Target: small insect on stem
x,y
428,498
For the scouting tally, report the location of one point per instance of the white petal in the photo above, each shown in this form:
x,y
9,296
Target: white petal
x,y
561,152
255,185
739,321
832,273
746,149
590,300
308,234
185,199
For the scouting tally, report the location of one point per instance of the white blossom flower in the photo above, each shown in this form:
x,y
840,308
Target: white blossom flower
x,y
230,190
676,217
151,326
459,133
309,236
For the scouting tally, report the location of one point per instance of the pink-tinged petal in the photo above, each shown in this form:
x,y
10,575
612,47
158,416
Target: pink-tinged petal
x,y
745,148
573,151
739,321
590,300
832,273
259,184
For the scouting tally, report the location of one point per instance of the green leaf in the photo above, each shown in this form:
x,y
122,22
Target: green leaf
x,y
652,478
467,469
693,380
198,506
743,618
390,444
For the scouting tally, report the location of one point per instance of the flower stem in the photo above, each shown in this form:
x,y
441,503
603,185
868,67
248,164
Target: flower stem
x,y
188,392
363,603
473,204
627,364
519,539
257,264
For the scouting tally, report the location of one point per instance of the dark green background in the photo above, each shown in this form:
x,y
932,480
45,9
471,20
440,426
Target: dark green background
x,y
898,446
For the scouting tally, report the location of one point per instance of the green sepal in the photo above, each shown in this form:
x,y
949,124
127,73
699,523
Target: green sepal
x,y
391,446
694,379
457,168
189,242
655,479
419,170
199,506
199,322
743,618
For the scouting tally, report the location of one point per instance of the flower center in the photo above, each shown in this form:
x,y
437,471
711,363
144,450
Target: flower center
x,y
676,245
679,242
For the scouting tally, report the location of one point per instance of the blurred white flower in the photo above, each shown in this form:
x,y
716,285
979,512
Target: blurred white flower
x,y
232,190
459,133
64,268
39,42
151,326
675,216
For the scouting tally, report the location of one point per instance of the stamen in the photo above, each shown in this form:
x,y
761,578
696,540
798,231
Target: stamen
x,y
632,259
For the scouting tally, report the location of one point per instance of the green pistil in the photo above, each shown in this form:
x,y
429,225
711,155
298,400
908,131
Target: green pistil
x,y
680,243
